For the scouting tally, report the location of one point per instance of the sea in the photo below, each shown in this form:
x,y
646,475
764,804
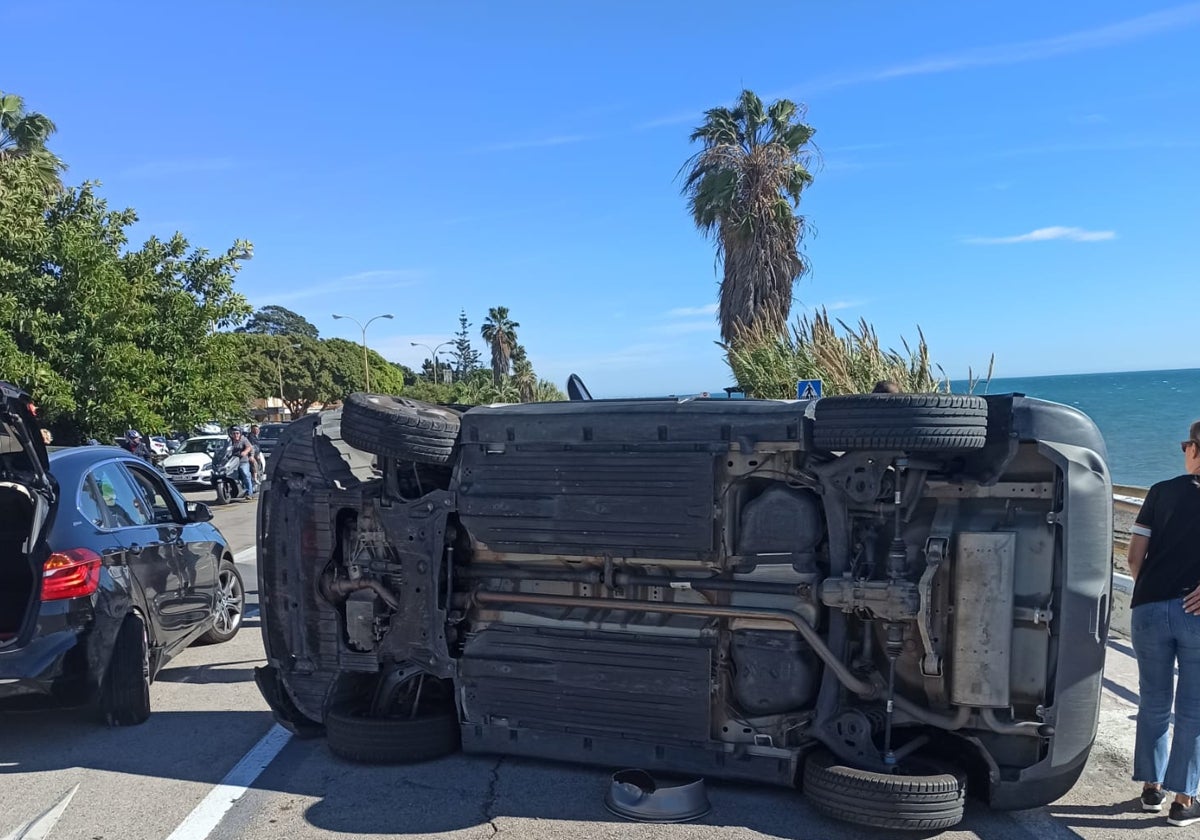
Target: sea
x,y
1143,415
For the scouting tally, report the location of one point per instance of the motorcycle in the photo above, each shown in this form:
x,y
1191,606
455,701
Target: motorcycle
x,y
226,476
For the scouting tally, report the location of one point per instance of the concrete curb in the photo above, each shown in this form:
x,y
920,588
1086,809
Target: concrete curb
x,y
1122,592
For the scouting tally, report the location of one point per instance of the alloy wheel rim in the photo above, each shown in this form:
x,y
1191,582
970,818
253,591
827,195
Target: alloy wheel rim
x,y
229,602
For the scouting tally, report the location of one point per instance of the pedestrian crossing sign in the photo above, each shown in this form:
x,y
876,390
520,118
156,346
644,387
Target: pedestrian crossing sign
x,y
808,389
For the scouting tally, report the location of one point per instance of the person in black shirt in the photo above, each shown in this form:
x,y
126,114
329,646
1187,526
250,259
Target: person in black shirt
x,y
1164,559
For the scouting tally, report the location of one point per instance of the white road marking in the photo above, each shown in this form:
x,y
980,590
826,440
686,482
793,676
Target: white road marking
x,y
40,826
246,555
212,809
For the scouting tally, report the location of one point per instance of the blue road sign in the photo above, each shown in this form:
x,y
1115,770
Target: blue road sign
x,y
808,389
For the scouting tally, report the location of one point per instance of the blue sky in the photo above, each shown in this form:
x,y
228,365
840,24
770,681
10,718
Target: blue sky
x,y
1015,178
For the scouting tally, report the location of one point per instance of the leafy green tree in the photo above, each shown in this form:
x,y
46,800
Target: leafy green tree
x,y
743,189
347,365
547,391
104,335
23,134
279,320
500,332
467,359
409,375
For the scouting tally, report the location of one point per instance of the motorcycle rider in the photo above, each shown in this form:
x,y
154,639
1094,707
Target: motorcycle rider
x,y
137,446
244,450
259,464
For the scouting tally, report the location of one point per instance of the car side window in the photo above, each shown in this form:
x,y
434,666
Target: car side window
x,y
91,503
154,491
121,499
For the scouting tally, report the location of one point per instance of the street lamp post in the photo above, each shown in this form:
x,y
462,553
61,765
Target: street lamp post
x,y
363,327
432,354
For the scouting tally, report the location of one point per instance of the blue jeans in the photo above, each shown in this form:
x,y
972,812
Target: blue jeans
x,y
1164,635
247,481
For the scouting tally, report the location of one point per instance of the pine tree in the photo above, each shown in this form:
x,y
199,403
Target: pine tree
x,y
467,359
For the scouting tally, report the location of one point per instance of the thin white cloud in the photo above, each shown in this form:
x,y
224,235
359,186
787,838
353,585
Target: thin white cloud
x,y
1113,34
363,281
1047,234
692,311
399,348
685,327
178,166
836,305
695,115
537,143
1121,32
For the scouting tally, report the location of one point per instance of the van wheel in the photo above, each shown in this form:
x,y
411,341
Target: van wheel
x,y
395,427
400,739
125,687
913,422
921,797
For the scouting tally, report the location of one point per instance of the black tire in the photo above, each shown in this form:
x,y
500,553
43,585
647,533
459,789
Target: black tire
x,y
222,493
231,605
923,800
125,686
913,422
392,740
395,427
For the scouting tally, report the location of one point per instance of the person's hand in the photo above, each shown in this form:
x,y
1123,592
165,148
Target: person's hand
x,y
1191,602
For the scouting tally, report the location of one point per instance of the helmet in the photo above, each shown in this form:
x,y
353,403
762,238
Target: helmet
x,y
233,429
133,434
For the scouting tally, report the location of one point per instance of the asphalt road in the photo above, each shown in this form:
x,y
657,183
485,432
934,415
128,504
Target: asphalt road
x,y
210,763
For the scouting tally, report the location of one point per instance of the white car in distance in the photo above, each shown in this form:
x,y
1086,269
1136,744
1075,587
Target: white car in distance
x,y
192,464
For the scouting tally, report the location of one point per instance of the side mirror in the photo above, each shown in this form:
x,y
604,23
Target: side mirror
x,y
198,512
576,390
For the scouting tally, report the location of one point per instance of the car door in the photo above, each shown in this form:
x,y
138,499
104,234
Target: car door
x,y
189,556
133,534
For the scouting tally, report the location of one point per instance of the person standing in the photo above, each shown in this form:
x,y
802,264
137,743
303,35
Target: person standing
x,y
1164,560
241,447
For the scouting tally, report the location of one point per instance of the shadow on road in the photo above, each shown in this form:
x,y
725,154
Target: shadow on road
x,y
1122,815
210,673
192,746
512,795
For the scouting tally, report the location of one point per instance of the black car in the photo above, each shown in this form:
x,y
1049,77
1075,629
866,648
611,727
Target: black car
x,y
106,573
268,436
879,597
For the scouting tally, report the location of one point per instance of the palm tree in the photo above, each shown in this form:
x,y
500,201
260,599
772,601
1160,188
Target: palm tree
x,y
24,135
501,334
743,189
523,376
547,391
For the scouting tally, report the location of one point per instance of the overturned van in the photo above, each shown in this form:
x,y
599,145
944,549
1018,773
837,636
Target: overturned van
x,y
884,599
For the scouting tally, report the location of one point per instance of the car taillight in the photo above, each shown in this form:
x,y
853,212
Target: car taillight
x,y
70,574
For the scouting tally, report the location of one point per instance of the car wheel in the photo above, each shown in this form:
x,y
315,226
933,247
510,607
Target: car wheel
x,y
921,797
222,493
401,739
914,422
231,605
395,427
125,686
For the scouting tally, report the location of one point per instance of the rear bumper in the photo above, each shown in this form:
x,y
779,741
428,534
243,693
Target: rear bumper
x,y
38,667
1036,789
